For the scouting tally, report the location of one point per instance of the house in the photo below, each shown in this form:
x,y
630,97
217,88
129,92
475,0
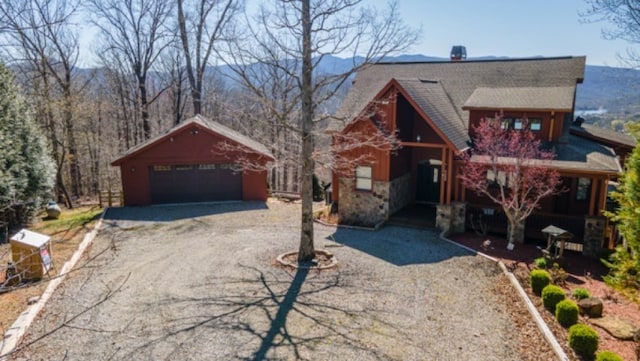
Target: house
x,y
197,160
432,107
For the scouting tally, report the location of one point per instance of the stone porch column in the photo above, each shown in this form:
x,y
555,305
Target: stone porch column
x,y
593,235
458,217
443,218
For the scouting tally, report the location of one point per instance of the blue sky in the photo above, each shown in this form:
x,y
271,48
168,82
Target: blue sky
x,y
514,28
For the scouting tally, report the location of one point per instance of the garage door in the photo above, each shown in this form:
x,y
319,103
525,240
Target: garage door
x,y
194,183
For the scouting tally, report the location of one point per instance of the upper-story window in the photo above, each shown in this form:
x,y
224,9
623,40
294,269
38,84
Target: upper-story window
x,y
535,124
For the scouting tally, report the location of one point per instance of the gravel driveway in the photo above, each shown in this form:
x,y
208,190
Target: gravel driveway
x,y
199,283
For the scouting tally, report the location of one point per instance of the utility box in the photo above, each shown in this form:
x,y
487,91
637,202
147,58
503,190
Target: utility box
x,y
31,254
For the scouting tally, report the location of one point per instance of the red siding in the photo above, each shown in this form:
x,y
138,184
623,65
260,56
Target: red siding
x,y
551,122
187,146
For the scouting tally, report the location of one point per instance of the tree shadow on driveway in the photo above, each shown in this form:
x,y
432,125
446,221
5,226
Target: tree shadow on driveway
x,y
268,316
168,213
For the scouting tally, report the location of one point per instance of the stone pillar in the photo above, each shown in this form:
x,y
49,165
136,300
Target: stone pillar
x,y
593,235
443,218
458,217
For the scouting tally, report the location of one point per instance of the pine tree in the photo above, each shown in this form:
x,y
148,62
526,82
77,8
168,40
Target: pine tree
x,y
26,169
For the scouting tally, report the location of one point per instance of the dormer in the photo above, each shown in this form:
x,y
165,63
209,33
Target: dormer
x,y
544,108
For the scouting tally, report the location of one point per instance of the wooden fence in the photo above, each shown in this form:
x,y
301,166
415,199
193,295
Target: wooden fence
x,y
110,198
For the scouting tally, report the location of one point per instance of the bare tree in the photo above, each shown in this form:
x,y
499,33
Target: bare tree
x,y
137,31
202,24
624,15
44,46
292,38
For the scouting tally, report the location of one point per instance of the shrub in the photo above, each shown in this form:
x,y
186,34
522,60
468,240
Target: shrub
x,y
539,279
540,262
558,275
580,293
583,340
551,295
567,313
608,356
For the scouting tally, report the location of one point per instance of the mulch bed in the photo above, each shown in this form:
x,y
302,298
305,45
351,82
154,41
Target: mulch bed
x,y
582,272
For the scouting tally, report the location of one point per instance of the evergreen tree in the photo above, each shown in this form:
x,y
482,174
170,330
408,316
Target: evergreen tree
x,y
26,169
624,264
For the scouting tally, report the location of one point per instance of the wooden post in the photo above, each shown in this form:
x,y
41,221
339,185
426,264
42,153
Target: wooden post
x,y
121,199
109,197
100,198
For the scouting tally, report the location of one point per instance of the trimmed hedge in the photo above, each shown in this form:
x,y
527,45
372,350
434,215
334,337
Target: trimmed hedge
x,y
567,313
539,280
608,356
583,340
551,295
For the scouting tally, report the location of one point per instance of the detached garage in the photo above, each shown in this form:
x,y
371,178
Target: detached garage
x,y
198,160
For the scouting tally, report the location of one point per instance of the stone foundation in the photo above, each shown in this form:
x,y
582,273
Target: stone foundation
x,y
363,208
400,193
593,236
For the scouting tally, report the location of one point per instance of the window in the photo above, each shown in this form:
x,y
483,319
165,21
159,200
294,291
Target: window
x,y
502,178
184,167
584,185
161,168
363,178
534,124
206,166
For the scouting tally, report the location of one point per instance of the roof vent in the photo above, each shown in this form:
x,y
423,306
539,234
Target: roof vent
x,y
458,53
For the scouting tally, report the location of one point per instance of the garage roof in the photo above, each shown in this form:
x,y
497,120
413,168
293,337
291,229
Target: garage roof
x,y
204,123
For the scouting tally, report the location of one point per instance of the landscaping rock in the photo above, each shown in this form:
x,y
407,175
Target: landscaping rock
x,y
617,327
591,307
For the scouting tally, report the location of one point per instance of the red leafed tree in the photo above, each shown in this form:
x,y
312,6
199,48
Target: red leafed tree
x,y
510,168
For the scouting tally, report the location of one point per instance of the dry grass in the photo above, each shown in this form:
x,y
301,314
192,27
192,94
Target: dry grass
x,y
66,233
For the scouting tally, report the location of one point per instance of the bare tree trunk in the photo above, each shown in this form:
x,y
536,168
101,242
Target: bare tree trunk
x,y
306,252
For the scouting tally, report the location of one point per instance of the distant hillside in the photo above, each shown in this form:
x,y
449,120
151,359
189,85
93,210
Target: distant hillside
x,y
614,89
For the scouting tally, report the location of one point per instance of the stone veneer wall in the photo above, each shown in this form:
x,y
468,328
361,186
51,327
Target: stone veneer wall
x,y
458,217
399,193
443,218
363,208
593,236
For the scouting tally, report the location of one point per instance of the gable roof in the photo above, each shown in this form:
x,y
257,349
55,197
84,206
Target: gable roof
x,y
459,80
432,99
522,98
207,125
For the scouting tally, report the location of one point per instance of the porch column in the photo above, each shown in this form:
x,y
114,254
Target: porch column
x,y
443,218
594,228
458,217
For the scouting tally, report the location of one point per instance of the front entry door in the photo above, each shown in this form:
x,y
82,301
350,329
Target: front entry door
x,y
428,181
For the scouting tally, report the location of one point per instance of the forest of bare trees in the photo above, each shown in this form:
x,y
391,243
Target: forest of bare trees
x,y
159,62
